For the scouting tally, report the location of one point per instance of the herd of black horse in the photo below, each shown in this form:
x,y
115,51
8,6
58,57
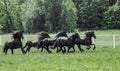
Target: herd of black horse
x,y
60,42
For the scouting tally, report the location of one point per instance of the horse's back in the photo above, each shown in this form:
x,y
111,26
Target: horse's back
x,y
49,41
61,40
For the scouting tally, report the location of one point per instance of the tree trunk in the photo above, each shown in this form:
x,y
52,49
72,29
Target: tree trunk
x,y
9,19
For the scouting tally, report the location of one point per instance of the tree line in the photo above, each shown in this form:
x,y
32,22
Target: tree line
x,y
55,15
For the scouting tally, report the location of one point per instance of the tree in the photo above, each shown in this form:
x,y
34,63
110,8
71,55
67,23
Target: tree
x,y
34,16
53,11
10,11
61,15
68,17
112,18
90,13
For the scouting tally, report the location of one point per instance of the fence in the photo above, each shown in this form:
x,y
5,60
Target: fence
x,y
101,40
112,40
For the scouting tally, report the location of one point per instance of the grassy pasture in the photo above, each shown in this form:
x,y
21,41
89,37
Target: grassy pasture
x,y
104,58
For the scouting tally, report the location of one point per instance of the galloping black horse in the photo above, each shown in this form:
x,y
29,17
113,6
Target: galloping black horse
x,y
41,35
66,41
87,41
45,43
15,43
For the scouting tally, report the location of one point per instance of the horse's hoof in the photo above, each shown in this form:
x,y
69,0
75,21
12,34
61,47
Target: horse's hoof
x,y
93,48
57,51
64,52
82,50
49,52
24,52
88,48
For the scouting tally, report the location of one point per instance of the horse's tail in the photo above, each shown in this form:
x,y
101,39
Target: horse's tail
x,y
25,45
5,46
40,44
28,43
54,45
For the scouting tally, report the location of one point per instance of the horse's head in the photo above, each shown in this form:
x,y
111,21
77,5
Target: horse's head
x,y
91,34
74,37
21,34
42,35
65,34
18,34
77,36
61,33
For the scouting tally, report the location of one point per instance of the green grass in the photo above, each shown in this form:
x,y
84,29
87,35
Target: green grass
x,y
104,58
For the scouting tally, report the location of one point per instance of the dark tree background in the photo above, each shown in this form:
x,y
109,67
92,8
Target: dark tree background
x,y
56,15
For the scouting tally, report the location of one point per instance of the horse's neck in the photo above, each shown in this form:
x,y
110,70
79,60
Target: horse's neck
x,y
71,39
18,39
88,38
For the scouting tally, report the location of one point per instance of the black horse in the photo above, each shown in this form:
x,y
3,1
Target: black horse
x,y
45,43
61,42
41,35
87,41
15,43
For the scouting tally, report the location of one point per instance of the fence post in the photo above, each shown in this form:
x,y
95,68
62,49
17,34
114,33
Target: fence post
x,y
113,40
0,41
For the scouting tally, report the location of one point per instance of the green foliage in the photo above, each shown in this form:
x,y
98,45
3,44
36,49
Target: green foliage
x,y
111,17
53,11
56,15
90,14
68,16
49,15
10,15
33,16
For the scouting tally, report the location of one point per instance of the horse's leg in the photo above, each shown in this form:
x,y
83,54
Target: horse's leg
x,y
64,51
25,45
42,49
94,46
73,49
23,51
12,51
88,47
79,47
58,50
47,48
6,50
68,49
28,49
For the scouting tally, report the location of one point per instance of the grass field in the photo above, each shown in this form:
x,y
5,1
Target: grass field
x,y
104,58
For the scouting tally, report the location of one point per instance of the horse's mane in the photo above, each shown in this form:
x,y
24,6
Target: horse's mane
x,y
61,33
42,35
88,34
73,36
15,34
